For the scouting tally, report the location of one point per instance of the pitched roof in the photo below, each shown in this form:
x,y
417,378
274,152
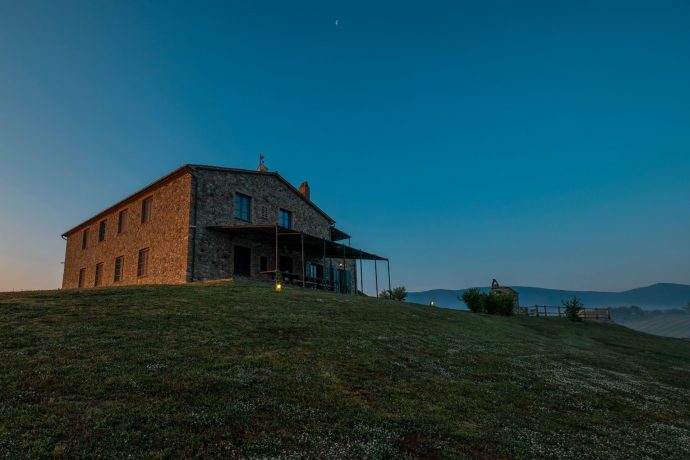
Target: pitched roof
x,y
190,168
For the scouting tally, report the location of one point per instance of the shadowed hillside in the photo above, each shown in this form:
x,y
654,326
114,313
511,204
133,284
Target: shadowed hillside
x,y
234,370
668,325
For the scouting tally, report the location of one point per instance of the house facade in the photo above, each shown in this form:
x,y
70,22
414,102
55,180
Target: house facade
x,y
204,223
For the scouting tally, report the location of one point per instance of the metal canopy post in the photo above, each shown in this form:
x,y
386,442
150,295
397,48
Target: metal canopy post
x,y
376,278
356,280
361,272
324,276
302,242
390,292
342,281
276,261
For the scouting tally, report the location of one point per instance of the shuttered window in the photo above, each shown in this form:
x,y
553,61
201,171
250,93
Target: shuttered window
x,y
143,262
146,209
121,221
118,268
98,278
101,230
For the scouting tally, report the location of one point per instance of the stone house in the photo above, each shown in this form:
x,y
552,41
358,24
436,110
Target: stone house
x,y
206,222
507,291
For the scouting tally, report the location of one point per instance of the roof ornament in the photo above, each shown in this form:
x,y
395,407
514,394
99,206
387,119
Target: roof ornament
x,y
262,167
494,283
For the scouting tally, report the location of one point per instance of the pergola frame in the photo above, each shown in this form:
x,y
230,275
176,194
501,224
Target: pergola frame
x,y
308,245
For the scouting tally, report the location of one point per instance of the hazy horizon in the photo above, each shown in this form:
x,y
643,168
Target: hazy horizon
x,y
539,143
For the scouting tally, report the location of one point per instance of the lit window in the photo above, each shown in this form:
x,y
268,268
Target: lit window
x,y
146,209
101,231
118,268
121,221
143,262
285,218
243,207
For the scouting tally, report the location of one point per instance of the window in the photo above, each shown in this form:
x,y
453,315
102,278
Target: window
x,y
99,275
263,264
285,218
82,274
118,268
264,212
101,231
243,207
121,221
146,209
143,263
84,238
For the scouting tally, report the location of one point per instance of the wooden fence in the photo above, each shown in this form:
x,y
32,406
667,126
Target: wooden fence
x,y
548,311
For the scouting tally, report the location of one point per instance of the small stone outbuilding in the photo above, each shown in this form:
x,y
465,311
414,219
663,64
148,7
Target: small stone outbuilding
x,y
507,291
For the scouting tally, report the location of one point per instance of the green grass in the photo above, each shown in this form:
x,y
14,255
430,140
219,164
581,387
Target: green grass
x,y
234,370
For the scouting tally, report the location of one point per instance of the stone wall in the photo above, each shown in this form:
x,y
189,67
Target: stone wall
x,y
166,235
213,198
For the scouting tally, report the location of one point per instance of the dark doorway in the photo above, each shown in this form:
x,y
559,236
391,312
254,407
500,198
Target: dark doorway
x,y
285,264
243,261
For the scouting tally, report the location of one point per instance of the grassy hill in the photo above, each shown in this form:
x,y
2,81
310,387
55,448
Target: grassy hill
x,y
234,370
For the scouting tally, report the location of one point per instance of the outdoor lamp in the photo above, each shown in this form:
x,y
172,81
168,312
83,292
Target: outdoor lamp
x,y
279,287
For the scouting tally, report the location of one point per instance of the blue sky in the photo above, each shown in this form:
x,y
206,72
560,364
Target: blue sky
x,y
540,143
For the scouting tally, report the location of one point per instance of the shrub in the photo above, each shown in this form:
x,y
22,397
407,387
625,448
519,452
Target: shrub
x,y
474,300
493,304
573,308
397,293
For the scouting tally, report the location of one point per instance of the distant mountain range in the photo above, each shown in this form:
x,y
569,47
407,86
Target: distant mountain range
x,y
656,296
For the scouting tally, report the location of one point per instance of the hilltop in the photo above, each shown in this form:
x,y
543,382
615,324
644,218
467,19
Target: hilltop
x,y
231,369
656,296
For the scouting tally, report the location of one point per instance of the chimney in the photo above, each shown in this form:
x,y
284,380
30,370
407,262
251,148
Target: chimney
x,y
262,167
305,190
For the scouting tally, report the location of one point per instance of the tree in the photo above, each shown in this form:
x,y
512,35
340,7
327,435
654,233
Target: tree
x,y
473,299
397,293
573,308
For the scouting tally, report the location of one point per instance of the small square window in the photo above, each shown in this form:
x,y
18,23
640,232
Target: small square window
x,y
285,219
243,205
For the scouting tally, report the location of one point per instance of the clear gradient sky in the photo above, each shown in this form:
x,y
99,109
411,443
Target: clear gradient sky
x,y
540,143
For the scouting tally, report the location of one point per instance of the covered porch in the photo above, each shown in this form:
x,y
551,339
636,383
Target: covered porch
x,y
323,264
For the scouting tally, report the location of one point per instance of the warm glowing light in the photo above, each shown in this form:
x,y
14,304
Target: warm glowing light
x,y
279,287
